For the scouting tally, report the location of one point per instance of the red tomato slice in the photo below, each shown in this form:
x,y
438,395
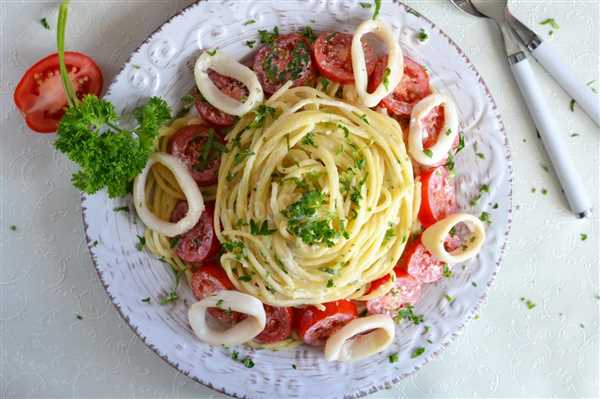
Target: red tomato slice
x,y
413,87
40,96
278,326
438,198
406,289
209,279
418,262
332,51
187,143
315,326
229,86
287,58
200,243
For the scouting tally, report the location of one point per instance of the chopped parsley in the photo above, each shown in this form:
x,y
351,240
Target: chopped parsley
x,y
446,271
245,278
212,52
141,243
544,191
365,5
461,142
304,224
407,313
485,217
78,317
94,243
575,135
449,298
448,132
172,296
294,366
248,362
330,283
428,152
480,155
551,22
309,139
219,303
546,169
450,163
242,155
530,304
389,233
235,247
249,22
261,229
495,206
377,8
308,33
473,283
484,188
45,23
174,241
13,227
572,105
417,352
267,37
121,209
211,150
583,236
386,76
393,358
324,83
422,36
260,115
362,117
146,300
250,43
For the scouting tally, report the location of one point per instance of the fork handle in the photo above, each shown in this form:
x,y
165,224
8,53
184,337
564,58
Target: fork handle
x,y
566,78
551,136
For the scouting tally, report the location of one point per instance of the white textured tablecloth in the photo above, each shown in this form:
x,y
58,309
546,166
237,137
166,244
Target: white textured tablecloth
x,y
47,277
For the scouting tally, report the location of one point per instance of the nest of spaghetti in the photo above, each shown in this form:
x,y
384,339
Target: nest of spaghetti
x,y
315,199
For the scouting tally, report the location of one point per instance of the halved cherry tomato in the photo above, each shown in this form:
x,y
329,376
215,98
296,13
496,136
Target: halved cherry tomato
x,y
406,289
187,144
418,262
332,51
278,326
199,243
413,87
287,58
209,279
438,198
40,96
315,326
230,87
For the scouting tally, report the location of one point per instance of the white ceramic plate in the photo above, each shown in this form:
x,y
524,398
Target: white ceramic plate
x,y
162,66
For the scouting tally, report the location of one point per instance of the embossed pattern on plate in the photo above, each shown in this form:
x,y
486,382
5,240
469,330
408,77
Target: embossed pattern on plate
x,y
162,66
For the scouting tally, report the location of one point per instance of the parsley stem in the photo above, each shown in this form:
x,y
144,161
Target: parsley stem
x,y
61,26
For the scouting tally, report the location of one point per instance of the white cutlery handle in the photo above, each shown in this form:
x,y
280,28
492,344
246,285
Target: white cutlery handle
x,y
567,79
551,136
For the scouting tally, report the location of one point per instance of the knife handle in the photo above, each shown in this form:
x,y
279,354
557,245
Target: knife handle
x,y
552,138
566,78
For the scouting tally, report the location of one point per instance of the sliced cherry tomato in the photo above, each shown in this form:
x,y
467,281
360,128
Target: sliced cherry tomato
x,y
418,262
230,87
315,326
40,95
406,289
332,51
433,123
287,58
187,145
278,326
438,198
199,243
413,87
209,279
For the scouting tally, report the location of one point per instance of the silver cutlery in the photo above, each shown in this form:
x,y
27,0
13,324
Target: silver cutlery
x,y
543,118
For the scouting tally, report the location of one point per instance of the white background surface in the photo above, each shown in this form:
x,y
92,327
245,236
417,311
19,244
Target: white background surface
x,y
47,278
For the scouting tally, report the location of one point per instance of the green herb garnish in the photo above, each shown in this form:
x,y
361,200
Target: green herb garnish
x,y
45,23
365,5
13,227
212,52
267,37
572,105
386,76
303,222
446,271
141,243
211,150
330,283
260,115
417,352
235,247
309,139
324,83
121,209
261,229
389,233
250,43
146,300
377,8
245,278
422,36
308,33
551,22
485,217
407,313
393,358
249,22
461,142
241,156
449,298
530,304
583,236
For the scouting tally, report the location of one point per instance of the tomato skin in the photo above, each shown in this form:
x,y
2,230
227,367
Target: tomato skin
x,y
438,197
406,290
200,243
413,87
279,324
419,263
40,96
186,144
272,61
315,326
332,53
209,279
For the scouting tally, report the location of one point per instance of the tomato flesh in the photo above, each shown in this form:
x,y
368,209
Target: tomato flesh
x,y
199,243
406,290
332,52
40,96
315,326
209,279
438,196
230,87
